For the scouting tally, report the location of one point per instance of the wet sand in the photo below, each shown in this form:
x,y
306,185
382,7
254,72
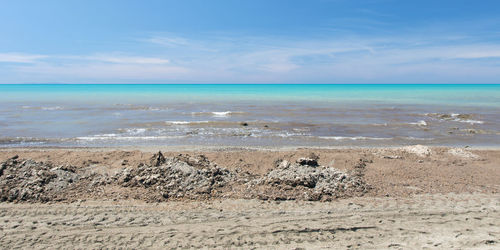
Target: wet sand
x,y
434,197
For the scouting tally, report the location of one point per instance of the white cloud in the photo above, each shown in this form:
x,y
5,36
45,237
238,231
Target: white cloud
x,y
129,59
20,58
168,41
271,59
102,71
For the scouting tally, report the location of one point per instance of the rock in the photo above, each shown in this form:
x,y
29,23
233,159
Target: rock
x,y
244,124
157,159
28,180
307,162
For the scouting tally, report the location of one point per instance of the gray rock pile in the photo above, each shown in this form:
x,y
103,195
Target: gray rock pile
x,y
179,177
307,180
27,180
183,176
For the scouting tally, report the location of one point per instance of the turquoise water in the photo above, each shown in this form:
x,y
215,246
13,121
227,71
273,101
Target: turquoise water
x,y
449,94
275,114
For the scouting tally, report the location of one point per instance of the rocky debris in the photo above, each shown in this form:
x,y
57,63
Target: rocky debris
x,y
392,157
419,150
309,182
181,177
200,161
178,177
307,162
28,180
462,153
157,159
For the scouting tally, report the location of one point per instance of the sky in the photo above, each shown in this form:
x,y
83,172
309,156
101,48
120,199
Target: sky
x,y
257,41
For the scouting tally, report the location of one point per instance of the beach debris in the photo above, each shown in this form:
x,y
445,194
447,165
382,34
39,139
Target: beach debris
x,y
177,177
157,159
306,180
392,157
419,150
305,161
183,176
28,180
462,153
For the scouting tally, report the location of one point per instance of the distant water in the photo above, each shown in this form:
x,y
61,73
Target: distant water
x,y
249,115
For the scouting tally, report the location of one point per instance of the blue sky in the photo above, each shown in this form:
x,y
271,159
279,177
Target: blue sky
x,y
239,41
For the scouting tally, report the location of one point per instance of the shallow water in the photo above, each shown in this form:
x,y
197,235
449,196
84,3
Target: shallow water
x,y
249,115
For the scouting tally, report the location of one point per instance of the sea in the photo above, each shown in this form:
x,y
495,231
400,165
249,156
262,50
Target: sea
x,y
274,115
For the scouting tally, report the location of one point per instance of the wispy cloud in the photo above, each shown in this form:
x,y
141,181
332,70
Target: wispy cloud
x,y
129,59
233,59
168,41
20,57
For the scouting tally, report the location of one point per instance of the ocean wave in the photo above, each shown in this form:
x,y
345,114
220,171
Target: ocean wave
x,y
135,131
29,140
353,138
419,123
415,138
137,107
43,108
185,122
127,138
218,114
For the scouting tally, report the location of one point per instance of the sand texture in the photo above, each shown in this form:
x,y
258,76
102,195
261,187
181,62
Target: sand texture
x,y
434,221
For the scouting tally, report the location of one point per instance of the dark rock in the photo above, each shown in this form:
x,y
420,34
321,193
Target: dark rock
x,y
157,159
307,162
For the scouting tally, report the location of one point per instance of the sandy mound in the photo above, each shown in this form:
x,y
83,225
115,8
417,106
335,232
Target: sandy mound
x,y
179,177
306,180
27,180
462,153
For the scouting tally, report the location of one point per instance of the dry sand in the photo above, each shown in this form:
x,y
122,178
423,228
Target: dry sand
x,y
421,197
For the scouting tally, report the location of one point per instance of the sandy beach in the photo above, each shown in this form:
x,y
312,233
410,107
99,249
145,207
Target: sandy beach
x,y
400,197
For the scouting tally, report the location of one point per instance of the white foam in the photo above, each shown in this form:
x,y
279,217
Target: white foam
x,y
184,122
52,108
129,138
135,131
221,114
419,123
353,138
470,121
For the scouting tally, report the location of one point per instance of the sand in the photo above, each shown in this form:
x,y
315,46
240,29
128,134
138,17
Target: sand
x,y
421,197
432,221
